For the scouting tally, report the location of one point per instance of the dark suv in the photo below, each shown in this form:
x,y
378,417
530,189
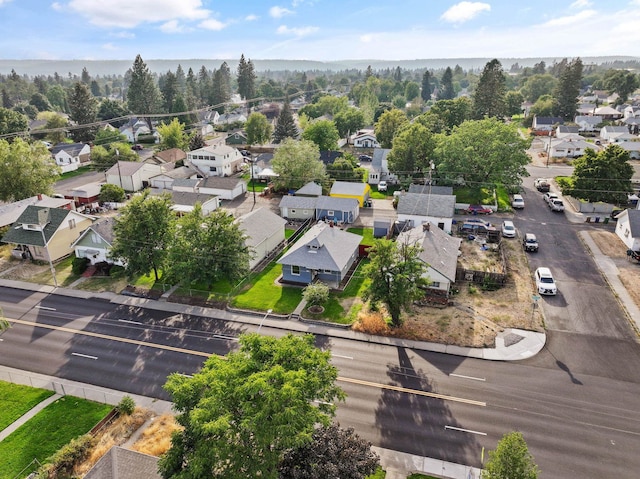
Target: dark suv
x,y
530,242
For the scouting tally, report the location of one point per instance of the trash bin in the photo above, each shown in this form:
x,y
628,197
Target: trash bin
x,y
606,220
597,219
588,219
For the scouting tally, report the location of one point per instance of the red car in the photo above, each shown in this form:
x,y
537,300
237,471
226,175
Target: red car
x,y
136,147
479,210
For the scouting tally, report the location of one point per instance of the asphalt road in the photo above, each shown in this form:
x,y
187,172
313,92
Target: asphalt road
x,y
577,423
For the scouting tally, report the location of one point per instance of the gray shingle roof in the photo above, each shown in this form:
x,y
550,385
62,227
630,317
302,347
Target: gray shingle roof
x,y
73,149
439,249
432,189
187,198
379,154
310,189
185,182
322,247
220,183
333,203
260,225
303,202
125,168
634,222
18,235
121,463
442,206
103,227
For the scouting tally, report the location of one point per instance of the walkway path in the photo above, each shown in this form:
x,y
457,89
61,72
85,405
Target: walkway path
x,y
28,415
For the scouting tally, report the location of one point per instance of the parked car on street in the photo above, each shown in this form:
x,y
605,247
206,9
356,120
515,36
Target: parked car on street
x,y
364,158
517,202
541,184
137,147
508,229
382,186
530,242
548,196
479,210
478,221
556,205
545,283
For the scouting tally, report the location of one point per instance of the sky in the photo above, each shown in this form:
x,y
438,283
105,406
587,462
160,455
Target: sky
x,y
323,30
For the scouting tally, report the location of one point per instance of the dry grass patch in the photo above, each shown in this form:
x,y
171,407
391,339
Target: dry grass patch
x,y
114,434
155,440
609,243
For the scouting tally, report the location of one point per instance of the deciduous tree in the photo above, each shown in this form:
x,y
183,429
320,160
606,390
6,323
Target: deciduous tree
x,y
388,125
412,150
25,170
334,453
58,123
12,122
258,129
111,193
208,248
483,153
622,82
105,156
323,133
603,176
143,231
240,414
395,274
510,460
297,163
348,120
110,109
172,135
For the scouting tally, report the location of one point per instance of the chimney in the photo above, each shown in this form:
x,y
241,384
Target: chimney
x,y
426,226
39,196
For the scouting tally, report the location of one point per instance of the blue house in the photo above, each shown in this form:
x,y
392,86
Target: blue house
x,y
343,210
324,253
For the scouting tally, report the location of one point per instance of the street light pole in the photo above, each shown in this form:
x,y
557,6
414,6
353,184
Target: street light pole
x,y
269,311
43,220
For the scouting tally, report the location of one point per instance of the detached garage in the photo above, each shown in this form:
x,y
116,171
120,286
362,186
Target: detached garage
x,y
628,228
224,188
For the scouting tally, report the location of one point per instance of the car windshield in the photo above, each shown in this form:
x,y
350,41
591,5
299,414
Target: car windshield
x,y
531,240
546,279
508,227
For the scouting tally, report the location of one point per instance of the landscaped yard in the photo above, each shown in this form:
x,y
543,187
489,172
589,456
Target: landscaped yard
x,y
366,233
264,293
64,275
80,171
49,430
474,195
17,400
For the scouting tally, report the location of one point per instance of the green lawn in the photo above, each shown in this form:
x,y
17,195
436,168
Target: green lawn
x,y
48,431
504,200
264,294
288,233
379,474
259,185
64,275
80,171
475,195
366,233
17,400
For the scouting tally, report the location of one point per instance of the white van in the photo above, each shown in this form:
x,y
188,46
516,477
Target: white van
x,y
517,202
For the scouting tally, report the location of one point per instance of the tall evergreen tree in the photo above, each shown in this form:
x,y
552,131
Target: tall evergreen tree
x,y
246,79
204,85
169,91
285,126
427,88
308,91
85,77
221,87
191,88
143,97
488,100
181,79
568,89
447,91
84,109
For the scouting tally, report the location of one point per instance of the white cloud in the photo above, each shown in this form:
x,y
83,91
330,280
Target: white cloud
x,y
368,38
298,32
172,26
571,19
251,18
127,35
279,12
465,11
55,6
109,46
212,24
581,4
128,13
3,2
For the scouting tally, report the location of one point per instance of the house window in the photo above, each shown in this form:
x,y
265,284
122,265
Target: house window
x,y
212,168
293,212
435,284
295,270
72,223
331,213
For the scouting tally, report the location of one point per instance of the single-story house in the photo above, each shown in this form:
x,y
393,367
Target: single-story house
x,y
310,189
224,188
563,131
69,156
232,117
340,210
431,189
545,124
616,134
136,127
570,148
417,209
46,233
298,207
324,253
628,228
608,113
238,137
184,202
121,463
587,122
95,242
631,147
132,175
439,252
10,212
364,139
347,189
264,231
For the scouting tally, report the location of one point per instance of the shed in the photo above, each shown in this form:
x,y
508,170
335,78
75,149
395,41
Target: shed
x,y
341,210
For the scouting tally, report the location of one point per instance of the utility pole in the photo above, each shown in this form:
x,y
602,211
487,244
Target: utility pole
x,y
43,220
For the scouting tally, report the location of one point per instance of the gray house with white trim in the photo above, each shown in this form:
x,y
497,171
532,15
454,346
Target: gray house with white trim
x,y
298,207
422,208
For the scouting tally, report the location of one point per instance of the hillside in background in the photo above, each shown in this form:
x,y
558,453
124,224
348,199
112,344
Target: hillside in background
x,y
119,67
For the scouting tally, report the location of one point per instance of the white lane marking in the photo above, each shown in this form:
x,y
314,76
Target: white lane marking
x,y
44,307
467,377
222,336
340,356
465,430
129,322
84,356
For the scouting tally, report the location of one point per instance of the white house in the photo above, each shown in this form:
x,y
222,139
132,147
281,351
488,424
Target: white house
x,y
264,231
419,208
216,160
69,156
587,122
570,148
95,242
616,134
224,188
364,139
132,175
165,179
628,228
379,170
134,128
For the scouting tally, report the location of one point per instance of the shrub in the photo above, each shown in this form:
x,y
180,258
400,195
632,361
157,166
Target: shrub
x,y
111,193
79,265
126,406
316,293
116,271
61,463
